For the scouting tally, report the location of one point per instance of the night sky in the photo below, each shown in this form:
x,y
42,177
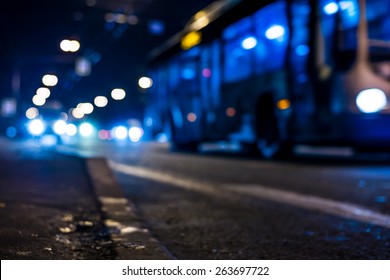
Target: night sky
x,y
31,31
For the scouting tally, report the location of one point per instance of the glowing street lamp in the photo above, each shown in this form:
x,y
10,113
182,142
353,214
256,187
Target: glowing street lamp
x,y
49,80
43,91
118,94
145,82
101,101
70,45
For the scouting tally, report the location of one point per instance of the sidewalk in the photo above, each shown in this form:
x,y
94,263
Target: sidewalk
x,y
60,207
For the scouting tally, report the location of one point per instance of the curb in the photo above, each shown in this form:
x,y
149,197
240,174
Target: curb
x,y
132,241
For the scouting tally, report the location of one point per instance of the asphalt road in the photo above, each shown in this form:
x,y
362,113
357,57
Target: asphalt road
x,y
223,205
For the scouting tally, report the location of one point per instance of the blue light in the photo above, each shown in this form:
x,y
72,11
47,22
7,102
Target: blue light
x,y
188,74
249,43
302,50
11,132
156,27
36,127
331,8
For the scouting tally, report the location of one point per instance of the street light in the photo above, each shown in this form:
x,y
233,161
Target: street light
x,y
145,82
118,94
49,80
70,45
101,101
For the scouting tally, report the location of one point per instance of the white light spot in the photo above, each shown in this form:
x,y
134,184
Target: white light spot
x,y
249,43
371,100
275,32
118,94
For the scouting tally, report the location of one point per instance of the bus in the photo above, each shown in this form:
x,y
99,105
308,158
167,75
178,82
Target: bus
x,y
271,74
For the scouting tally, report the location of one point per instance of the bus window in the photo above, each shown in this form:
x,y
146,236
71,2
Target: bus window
x,y
300,42
189,77
272,34
174,75
328,28
237,59
349,12
378,23
379,36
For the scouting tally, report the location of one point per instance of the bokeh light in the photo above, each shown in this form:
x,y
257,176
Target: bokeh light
x,y
118,94
44,92
145,82
38,100
100,101
32,113
49,80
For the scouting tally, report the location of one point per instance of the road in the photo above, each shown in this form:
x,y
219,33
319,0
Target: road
x,y
222,205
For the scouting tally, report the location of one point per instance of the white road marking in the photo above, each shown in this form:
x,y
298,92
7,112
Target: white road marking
x,y
333,207
328,206
162,177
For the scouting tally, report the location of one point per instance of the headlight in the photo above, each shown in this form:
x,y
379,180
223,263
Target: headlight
x,y
371,100
71,129
120,132
36,127
135,133
59,127
86,129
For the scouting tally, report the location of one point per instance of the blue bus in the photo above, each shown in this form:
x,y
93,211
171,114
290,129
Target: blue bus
x,y
274,73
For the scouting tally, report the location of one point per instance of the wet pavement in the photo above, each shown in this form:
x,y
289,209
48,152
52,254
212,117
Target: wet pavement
x,y
56,206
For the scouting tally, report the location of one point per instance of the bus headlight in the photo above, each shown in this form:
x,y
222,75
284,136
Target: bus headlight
x,y
36,127
371,100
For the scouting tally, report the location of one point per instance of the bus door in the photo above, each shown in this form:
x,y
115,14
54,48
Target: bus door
x,y
187,100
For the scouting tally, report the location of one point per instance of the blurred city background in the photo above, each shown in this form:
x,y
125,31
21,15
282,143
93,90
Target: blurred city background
x,y
113,39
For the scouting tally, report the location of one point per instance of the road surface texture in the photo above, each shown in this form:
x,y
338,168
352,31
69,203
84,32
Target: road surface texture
x,y
231,206
52,207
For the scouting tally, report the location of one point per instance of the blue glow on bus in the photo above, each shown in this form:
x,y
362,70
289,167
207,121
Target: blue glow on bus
x,y
349,13
188,74
302,50
331,8
249,43
275,32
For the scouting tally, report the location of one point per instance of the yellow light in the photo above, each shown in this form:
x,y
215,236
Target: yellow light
x,y
283,104
201,20
199,15
191,39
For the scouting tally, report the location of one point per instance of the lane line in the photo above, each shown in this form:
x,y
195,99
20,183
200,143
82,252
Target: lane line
x,y
333,207
308,202
162,177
